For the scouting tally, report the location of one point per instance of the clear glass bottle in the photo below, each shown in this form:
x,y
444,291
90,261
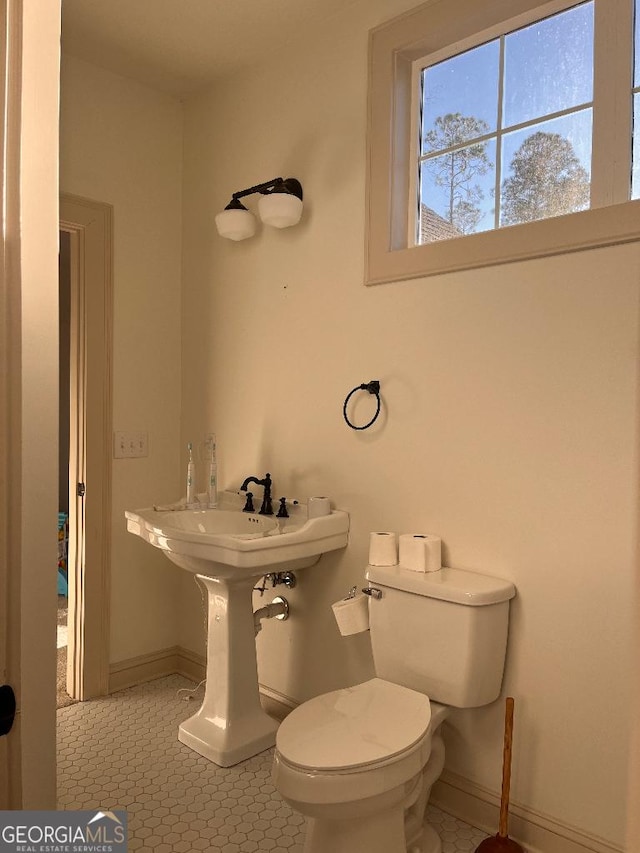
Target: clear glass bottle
x,y
191,478
212,478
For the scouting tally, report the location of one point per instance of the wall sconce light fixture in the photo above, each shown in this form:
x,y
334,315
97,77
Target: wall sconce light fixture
x,y
280,206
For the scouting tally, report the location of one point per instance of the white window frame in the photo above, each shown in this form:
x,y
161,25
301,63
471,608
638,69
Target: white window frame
x,y
449,27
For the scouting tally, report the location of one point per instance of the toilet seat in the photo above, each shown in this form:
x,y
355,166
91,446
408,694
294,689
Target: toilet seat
x,y
354,729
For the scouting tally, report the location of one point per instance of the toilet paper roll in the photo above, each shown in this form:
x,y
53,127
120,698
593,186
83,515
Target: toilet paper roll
x,y
318,506
352,614
383,549
420,552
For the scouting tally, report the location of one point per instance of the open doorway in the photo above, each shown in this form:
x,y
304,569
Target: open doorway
x,y
63,698
86,243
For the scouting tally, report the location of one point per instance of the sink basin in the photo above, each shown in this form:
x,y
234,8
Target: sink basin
x,y
226,542
228,550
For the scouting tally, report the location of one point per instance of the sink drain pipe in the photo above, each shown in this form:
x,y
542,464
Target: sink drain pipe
x,y
278,609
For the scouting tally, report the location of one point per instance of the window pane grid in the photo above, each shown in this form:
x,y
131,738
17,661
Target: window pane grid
x,y
499,119
509,129
417,185
573,173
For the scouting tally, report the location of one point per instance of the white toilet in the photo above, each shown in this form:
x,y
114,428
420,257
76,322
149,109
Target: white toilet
x,y
359,763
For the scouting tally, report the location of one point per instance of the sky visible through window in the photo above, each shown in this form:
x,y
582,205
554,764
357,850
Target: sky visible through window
x,y
506,126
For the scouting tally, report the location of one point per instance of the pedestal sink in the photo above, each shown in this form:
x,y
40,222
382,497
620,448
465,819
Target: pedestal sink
x,y
229,550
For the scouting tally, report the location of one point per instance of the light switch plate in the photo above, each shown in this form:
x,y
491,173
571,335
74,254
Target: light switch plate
x,y
130,445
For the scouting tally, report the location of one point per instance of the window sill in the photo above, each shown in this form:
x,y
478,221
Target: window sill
x,y
589,229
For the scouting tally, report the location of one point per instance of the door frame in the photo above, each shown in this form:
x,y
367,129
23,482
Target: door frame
x,y
29,103
9,352
90,226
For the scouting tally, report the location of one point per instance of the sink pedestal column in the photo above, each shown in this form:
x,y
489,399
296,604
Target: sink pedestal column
x,y
231,725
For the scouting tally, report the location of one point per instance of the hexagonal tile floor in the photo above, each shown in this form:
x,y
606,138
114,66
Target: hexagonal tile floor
x,y
122,752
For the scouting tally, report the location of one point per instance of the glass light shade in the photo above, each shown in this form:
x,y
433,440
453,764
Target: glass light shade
x,y
280,209
236,224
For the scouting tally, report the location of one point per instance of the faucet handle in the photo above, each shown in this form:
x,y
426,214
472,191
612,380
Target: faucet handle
x,y
282,511
266,508
249,507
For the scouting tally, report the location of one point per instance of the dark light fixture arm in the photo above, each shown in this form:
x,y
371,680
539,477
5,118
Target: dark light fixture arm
x,y
282,185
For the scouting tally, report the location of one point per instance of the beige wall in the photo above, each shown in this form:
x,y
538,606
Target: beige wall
x,y
509,422
121,143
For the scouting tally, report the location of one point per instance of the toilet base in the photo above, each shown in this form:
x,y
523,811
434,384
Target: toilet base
x,y
429,842
384,833
377,833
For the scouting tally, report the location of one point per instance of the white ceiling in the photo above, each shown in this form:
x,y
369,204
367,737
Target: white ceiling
x,y
180,46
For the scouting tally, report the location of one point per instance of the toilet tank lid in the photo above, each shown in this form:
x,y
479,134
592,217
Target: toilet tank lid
x,y
456,585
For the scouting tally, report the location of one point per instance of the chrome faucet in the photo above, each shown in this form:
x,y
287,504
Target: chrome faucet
x,y
266,508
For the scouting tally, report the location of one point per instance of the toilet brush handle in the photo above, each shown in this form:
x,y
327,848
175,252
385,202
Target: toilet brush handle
x,y
506,769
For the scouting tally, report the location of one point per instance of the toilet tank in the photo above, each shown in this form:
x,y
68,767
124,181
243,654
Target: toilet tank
x,y
442,633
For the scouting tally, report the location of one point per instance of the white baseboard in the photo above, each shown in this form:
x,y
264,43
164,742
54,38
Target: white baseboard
x,y
181,661
536,832
171,661
454,794
191,665
137,670
276,704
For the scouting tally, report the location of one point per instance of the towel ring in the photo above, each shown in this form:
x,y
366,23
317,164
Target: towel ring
x,y
372,387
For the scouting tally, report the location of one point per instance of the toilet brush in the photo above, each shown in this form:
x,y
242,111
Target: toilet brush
x,y
501,843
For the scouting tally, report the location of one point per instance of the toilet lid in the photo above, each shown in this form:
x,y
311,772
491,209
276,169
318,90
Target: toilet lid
x,y
350,728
